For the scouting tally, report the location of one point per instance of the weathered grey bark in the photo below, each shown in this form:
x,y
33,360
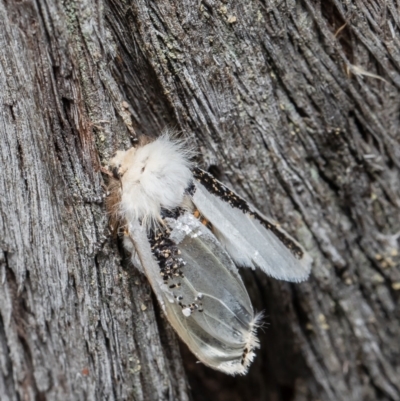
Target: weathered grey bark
x,y
295,104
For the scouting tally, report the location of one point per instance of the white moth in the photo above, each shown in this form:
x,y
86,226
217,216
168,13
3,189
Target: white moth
x,y
189,231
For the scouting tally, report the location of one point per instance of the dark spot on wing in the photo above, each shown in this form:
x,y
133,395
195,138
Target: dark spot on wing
x,y
169,258
167,255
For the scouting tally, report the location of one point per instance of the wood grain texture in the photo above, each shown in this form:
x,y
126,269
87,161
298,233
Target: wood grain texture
x,y
294,104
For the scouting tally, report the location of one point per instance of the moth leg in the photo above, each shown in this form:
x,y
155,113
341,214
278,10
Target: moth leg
x,y
106,171
203,220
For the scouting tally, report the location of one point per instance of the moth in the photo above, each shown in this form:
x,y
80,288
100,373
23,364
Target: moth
x,y
188,232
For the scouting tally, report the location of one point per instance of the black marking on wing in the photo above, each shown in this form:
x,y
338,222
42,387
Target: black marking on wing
x,y
217,188
167,254
169,259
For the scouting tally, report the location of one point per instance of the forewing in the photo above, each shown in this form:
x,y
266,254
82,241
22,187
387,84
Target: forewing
x,y
250,238
200,291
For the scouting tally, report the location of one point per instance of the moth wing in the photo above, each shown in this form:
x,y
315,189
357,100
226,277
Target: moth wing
x,y
208,307
250,238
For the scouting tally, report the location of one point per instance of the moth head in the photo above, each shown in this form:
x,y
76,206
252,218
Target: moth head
x,y
119,163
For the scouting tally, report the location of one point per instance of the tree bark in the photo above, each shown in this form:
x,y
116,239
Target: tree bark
x,y
294,104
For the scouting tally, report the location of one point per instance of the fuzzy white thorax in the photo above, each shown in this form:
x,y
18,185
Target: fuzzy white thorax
x,y
153,176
